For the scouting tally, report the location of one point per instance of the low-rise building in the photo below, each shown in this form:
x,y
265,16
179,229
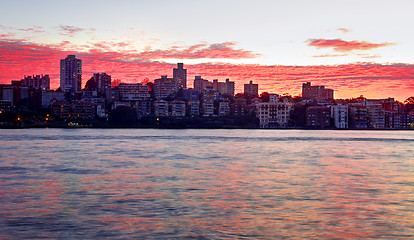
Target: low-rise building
x,y
318,117
274,114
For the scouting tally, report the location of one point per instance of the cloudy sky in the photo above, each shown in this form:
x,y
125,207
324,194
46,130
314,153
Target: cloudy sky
x,y
355,47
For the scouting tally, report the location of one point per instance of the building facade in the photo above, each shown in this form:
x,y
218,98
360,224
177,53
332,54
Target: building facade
x,y
180,76
251,90
70,74
274,114
318,93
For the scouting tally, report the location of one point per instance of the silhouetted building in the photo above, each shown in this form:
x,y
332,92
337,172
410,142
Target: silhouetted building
x,y
358,116
239,107
180,76
191,94
318,117
193,107
318,93
251,90
224,88
49,95
103,83
38,82
201,84
70,74
376,116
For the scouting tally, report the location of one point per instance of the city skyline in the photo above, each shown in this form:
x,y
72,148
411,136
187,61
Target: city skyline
x,y
350,47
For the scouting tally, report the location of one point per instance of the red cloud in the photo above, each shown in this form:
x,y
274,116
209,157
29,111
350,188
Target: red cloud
x,y
213,51
340,45
18,58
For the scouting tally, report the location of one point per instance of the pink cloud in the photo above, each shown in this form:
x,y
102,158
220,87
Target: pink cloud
x,y
19,58
340,45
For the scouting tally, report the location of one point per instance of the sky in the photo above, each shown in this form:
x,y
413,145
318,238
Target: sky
x,y
355,47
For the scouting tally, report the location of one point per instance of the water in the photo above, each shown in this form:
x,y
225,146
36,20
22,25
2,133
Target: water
x,y
206,184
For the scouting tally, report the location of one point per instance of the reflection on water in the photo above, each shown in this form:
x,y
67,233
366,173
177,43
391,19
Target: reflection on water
x,y
206,184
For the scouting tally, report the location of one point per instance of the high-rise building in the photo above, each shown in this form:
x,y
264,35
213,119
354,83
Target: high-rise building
x,y
180,76
251,90
70,74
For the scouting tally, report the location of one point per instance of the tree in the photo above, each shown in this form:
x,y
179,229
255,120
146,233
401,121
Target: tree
x,y
409,100
264,97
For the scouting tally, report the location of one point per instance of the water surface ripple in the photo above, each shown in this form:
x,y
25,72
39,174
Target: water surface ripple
x,y
206,184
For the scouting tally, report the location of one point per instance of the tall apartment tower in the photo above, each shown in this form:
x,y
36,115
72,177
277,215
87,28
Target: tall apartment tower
x,y
70,74
180,76
251,90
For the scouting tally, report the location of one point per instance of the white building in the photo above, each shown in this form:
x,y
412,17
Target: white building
x,y
274,114
340,115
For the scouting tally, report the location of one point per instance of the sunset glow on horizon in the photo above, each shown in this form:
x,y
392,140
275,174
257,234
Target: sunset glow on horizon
x,y
355,48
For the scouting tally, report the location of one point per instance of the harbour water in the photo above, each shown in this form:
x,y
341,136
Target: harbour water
x,y
206,184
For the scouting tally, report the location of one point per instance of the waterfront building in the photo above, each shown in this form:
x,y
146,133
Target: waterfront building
x,y
161,108
193,108
251,90
180,76
70,74
358,116
177,108
239,107
224,108
318,117
318,93
339,114
164,86
143,107
376,116
208,108
274,114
